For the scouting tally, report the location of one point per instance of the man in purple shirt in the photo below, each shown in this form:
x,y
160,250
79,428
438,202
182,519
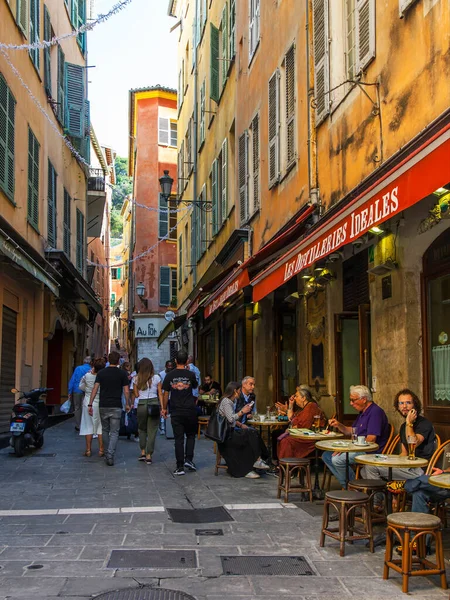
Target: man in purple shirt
x,y
371,422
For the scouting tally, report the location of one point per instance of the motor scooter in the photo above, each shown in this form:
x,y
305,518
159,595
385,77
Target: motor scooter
x,y
29,420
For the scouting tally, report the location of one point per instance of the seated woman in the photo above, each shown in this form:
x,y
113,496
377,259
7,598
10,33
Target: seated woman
x,y
301,411
241,450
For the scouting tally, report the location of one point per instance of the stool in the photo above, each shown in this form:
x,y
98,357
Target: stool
x,y
202,422
371,487
345,503
412,528
288,467
219,463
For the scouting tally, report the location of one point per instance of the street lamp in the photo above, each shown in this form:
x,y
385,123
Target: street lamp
x,y
140,289
117,313
166,183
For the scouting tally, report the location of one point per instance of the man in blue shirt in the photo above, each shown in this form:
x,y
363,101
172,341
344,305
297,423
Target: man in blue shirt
x,y
246,396
75,394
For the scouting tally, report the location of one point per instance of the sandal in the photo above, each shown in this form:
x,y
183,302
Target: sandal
x,y
87,453
101,453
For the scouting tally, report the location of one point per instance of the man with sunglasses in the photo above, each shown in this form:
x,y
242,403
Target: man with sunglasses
x,y
371,422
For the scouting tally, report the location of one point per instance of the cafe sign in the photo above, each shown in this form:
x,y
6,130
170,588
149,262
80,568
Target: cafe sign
x,y
150,327
226,290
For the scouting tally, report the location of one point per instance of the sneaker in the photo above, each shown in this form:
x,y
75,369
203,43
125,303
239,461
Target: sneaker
x,y
253,475
190,465
179,472
141,457
260,464
148,461
110,462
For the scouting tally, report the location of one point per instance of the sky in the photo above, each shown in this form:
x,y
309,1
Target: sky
x,y
134,48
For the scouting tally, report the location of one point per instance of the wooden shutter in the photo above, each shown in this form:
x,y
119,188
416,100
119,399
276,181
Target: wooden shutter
x,y
204,14
365,33
202,111
164,286
60,111
403,6
163,131
232,30
251,28
181,178
180,92
225,41
74,96
67,223
224,181
214,198
7,126
194,236
321,59
35,31
47,62
80,241
255,161
290,105
51,205
203,233
214,64
87,132
180,261
274,128
74,13
163,227
243,177
33,179
22,16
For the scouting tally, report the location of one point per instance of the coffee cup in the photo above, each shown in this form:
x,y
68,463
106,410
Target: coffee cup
x,y
262,418
361,440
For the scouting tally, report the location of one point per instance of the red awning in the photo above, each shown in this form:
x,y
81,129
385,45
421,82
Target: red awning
x,y
238,280
416,177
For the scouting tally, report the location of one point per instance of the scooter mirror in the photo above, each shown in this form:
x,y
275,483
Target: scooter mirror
x,y
14,391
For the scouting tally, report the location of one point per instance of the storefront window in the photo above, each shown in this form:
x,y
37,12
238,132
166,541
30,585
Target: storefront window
x,y
439,339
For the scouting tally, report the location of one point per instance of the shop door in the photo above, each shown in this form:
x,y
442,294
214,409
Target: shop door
x,y
286,355
8,366
54,369
353,357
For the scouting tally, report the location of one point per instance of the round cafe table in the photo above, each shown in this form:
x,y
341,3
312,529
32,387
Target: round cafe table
x,y
346,448
266,424
302,434
442,480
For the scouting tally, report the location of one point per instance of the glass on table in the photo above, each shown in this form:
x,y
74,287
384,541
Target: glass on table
x,y
412,443
354,435
316,423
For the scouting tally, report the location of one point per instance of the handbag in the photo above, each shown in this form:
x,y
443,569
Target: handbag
x,y
218,428
153,411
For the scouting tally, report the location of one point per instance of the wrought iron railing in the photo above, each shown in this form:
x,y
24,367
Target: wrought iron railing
x,y
96,181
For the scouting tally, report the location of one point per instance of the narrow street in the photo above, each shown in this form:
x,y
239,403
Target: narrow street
x,y
85,510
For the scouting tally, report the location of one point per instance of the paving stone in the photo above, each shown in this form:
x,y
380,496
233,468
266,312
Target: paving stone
x,y
25,540
81,586
40,554
37,587
111,539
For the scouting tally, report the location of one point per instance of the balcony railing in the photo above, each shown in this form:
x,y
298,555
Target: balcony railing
x,y
96,181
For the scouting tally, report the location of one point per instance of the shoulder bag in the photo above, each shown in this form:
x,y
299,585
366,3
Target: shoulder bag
x,y
219,429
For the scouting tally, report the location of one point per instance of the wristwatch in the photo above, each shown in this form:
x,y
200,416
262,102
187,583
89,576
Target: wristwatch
x,y
89,405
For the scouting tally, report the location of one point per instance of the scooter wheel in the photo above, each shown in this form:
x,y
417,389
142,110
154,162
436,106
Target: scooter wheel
x,y
39,442
19,446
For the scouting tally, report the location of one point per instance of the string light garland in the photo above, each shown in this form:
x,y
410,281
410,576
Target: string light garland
x,y
162,211
57,39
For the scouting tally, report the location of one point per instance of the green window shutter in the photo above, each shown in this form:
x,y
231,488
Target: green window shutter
x,y
66,225
203,233
214,64
232,29
35,31
224,56
51,205
60,110
80,241
22,10
81,20
47,62
163,226
202,111
164,286
214,198
243,177
180,261
87,132
194,236
74,13
33,179
119,273
7,123
74,100
224,181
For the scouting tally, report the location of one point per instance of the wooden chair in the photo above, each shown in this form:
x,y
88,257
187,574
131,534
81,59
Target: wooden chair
x,y
219,463
202,422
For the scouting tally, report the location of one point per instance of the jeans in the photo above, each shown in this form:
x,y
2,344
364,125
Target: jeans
x,y
184,424
110,418
336,464
77,407
147,426
423,492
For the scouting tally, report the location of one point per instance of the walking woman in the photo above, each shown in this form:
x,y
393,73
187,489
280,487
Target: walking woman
x,y
91,425
148,393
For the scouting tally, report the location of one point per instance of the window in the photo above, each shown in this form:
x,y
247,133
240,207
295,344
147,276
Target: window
x,y
219,188
224,45
60,110
201,227
403,6
80,21
243,177
116,273
74,100
47,59
167,220
164,286
214,198
180,170
202,112
22,11
350,34
360,35
321,59
167,132
173,133
290,130
113,299
67,223
254,27
232,30
186,250
33,180
35,20
274,129
180,261
181,88
7,124
80,242
173,287
189,145
214,91
51,205
203,15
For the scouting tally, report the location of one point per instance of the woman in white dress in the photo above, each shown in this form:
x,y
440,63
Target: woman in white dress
x,y
91,425
147,391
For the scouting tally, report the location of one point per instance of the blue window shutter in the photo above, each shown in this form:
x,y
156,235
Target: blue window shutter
x,y
80,241
87,131
164,286
61,109
7,124
81,20
163,228
74,97
35,31
74,13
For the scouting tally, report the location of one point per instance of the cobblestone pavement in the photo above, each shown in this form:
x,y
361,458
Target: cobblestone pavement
x,y
64,553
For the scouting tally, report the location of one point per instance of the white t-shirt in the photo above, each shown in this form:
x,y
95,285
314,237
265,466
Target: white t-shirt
x,y
150,392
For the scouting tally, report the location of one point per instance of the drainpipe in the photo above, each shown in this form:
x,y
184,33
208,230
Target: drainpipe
x,y
312,133
196,210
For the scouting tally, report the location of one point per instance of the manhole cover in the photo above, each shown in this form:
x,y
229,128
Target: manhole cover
x,y
152,559
144,594
266,565
209,532
216,514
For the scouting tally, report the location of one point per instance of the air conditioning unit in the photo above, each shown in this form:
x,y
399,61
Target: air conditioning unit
x,y
384,268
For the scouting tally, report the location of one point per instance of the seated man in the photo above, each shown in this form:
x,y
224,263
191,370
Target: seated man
x,y
424,492
210,387
247,396
408,405
371,422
